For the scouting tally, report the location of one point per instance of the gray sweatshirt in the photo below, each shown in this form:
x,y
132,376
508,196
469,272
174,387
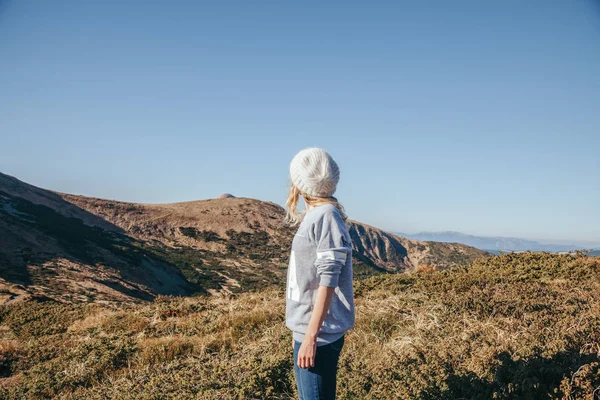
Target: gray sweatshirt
x,y
321,256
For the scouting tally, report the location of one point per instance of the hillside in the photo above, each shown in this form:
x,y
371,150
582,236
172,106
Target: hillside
x,y
518,326
74,248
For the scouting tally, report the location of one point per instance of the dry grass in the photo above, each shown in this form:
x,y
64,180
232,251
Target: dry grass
x,y
514,326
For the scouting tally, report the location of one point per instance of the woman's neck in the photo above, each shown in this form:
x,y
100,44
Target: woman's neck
x,y
307,206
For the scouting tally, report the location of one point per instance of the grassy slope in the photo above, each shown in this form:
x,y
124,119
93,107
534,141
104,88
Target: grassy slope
x,y
514,326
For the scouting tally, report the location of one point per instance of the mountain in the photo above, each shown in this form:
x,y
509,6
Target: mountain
x,y
492,244
75,248
396,253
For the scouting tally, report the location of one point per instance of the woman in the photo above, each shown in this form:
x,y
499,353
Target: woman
x,y
319,296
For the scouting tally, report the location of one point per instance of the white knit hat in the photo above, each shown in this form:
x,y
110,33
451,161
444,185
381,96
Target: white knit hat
x,y
314,172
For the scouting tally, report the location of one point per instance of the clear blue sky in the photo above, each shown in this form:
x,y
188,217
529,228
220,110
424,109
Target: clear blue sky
x,y
476,116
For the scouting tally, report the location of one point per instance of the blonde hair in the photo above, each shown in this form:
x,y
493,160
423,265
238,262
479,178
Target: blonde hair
x,y
293,217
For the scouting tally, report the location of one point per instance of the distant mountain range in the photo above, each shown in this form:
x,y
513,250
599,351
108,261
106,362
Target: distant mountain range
x,y
492,244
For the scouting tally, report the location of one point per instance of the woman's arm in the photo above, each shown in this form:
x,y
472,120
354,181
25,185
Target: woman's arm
x,y
307,351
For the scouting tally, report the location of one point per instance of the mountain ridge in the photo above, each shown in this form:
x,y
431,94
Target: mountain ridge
x,y
75,248
496,243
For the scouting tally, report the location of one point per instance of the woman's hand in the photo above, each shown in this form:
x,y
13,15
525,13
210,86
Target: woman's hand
x,y
306,353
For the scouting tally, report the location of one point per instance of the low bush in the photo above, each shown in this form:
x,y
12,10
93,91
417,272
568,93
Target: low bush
x,y
516,326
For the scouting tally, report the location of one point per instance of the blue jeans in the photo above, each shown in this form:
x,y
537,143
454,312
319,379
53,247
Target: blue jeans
x,y
318,382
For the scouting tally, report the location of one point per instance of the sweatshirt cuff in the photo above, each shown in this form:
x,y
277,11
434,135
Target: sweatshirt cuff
x,y
329,280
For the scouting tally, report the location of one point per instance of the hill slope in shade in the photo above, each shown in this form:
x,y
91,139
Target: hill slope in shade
x,y
518,326
69,247
495,243
51,248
